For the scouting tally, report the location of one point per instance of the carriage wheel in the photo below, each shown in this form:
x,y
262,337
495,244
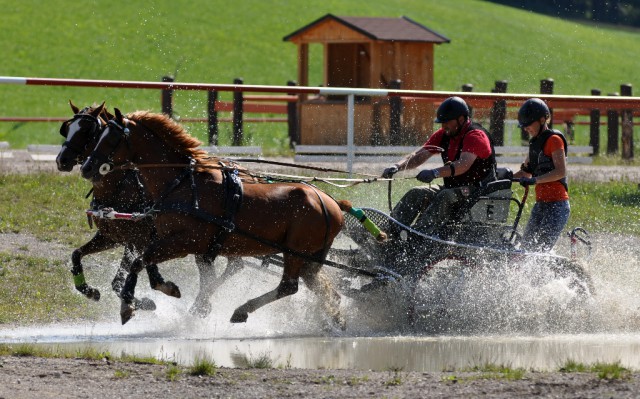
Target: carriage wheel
x,y
437,285
577,278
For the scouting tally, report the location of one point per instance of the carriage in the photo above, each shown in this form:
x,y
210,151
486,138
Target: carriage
x,y
429,269
211,206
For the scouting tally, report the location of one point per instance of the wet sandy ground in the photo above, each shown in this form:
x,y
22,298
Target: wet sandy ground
x,y
28,377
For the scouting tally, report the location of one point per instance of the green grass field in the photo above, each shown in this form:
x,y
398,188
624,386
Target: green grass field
x,y
214,41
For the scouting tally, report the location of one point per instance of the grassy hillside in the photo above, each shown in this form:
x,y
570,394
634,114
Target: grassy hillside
x,y
215,41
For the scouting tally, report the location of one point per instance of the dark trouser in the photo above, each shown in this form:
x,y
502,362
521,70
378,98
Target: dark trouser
x,y
430,207
545,225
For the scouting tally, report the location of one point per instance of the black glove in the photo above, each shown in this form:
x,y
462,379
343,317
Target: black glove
x,y
389,172
527,181
508,174
426,176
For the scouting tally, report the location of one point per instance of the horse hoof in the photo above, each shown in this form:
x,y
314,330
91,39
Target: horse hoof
x,y
144,304
89,292
169,288
126,312
94,294
239,317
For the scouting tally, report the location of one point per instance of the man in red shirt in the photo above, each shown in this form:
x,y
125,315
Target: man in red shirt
x,y
469,160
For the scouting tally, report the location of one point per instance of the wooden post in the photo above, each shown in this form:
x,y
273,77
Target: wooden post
x,y
376,127
395,136
468,88
612,129
167,98
570,131
238,100
594,126
626,117
546,87
498,113
292,119
213,117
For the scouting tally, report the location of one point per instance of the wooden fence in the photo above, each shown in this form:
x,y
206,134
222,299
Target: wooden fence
x,y
618,109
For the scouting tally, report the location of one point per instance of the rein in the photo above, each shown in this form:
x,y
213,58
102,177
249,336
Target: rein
x,y
269,177
298,166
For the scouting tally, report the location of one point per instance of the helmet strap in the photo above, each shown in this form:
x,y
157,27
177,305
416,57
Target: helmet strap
x,y
543,126
460,126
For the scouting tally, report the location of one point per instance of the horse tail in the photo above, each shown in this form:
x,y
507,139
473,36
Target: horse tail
x,y
345,205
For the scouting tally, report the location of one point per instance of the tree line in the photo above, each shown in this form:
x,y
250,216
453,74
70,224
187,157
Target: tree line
x,y
616,12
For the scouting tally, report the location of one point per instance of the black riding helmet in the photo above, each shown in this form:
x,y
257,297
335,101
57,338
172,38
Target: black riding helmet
x,y
452,108
532,110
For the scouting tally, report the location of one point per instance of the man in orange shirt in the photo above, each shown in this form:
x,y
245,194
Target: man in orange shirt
x,y
546,167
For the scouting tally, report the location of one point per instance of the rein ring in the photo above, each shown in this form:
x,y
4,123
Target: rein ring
x,y
105,168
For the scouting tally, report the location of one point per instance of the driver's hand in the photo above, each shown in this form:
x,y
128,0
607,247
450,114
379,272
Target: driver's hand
x,y
527,181
426,176
389,172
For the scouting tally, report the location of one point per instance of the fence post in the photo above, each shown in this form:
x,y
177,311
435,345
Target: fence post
x,y
626,117
468,88
395,102
612,129
376,127
238,99
167,98
213,116
594,126
498,113
546,87
292,118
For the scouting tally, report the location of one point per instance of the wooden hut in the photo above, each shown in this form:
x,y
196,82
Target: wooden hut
x,y
366,53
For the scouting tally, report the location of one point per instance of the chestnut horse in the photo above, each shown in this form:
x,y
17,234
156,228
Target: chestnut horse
x,y
204,205
122,191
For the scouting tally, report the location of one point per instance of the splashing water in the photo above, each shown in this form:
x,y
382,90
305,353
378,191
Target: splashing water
x,y
493,307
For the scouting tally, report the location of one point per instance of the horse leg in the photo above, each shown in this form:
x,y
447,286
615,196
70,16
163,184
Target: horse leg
x,y
156,281
97,244
117,283
156,252
288,286
127,295
201,306
320,285
209,283
125,265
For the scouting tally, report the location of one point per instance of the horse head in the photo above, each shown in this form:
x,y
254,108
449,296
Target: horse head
x,y
107,150
81,134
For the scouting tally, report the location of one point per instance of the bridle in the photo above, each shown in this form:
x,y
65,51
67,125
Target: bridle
x,y
96,128
106,161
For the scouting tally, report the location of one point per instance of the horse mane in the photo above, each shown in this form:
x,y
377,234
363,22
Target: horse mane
x,y
172,133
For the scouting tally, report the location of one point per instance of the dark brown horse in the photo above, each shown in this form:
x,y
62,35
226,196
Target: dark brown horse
x,y
123,191
203,205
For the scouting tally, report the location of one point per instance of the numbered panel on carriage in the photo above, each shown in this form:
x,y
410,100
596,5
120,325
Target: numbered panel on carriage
x,y
493,207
